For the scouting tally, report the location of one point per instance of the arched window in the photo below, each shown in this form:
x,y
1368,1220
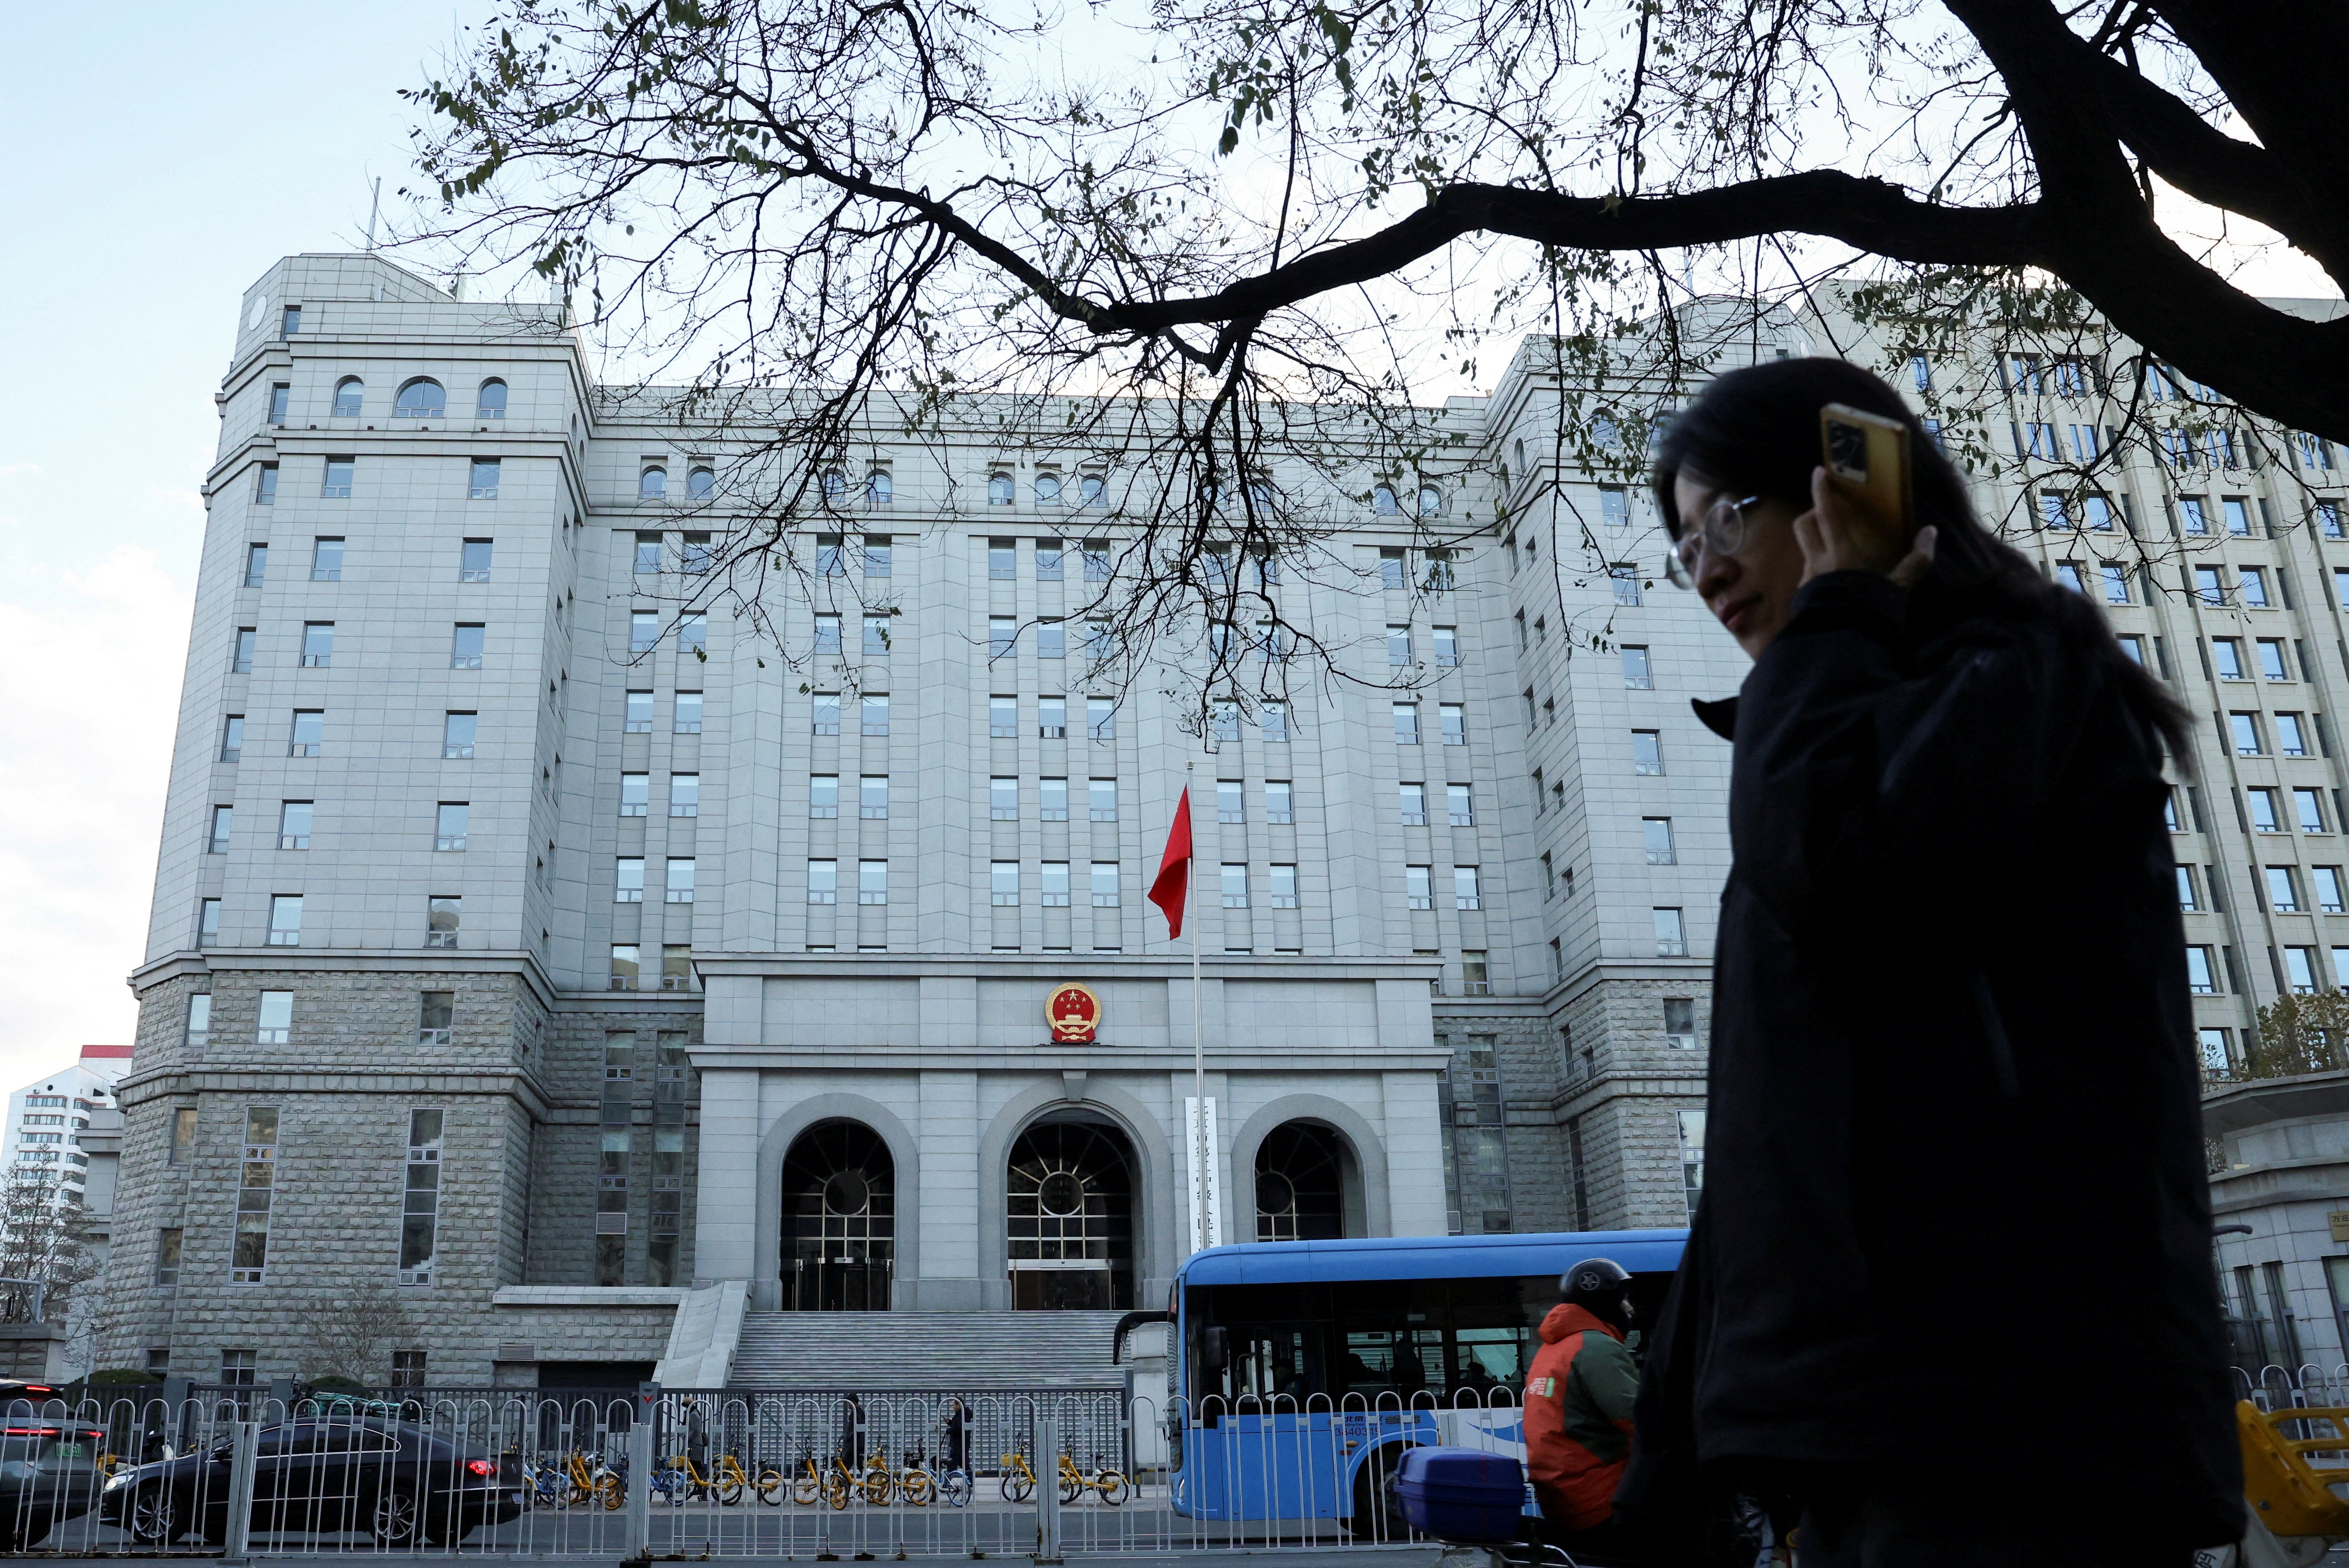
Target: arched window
x,y
653,484
700,482
835,485
1520,450
878,487
1069,1203
1260,497
1048,489
1604,433
999,489
840,1199
1300,1192
349,394
1431,501
1091,490
1382,501
490,403
420,399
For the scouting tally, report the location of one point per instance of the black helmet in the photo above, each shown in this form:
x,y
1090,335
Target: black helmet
x,y
1600,1286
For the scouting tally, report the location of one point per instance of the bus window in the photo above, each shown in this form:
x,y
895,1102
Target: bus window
x,y
1490,1360
1277,1363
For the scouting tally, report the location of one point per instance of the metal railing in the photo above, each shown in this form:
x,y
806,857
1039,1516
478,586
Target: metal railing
x,y
666,1473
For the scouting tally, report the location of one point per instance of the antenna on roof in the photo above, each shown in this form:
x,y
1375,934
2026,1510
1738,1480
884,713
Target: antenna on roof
x,y
374,205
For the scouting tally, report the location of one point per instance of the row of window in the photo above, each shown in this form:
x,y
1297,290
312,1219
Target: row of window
x,y
459,730
2296,970
327,557
466,641
340,473
419,398
2245,733
450,821
2199,888
628,880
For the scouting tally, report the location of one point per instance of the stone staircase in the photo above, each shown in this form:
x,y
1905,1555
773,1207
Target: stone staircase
x,y
944,1351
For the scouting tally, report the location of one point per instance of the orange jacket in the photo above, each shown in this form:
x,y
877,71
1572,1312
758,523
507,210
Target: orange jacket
x,y
1578,1398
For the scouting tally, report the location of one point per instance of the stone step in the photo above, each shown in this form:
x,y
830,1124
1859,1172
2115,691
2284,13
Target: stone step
x,y
938,1351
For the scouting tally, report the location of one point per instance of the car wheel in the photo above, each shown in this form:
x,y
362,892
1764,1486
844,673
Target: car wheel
x,y
153,1517
393,1523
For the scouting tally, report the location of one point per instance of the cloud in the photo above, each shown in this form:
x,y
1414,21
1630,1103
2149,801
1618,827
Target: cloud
x,y
87,721
10,471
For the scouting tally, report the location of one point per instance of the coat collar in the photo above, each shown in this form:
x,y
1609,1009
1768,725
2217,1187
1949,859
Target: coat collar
x,y
1721,716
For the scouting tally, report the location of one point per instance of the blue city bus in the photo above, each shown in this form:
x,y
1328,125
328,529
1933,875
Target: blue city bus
x,y
1299,1371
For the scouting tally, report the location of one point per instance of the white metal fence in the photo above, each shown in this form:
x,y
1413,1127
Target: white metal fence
x,y
671,1473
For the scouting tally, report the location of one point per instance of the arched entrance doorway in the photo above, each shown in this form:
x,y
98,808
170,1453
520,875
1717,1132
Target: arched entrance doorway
x,y
1300,1184
1069,1201
840,1217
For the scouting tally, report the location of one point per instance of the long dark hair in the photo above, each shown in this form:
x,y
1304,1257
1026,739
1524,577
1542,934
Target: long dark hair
x,y
1756,429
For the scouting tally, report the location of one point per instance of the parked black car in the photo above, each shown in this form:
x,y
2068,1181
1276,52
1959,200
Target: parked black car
x,y
48,1474
402,1484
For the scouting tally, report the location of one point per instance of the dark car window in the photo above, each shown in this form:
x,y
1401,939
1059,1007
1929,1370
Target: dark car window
x,y
19,1444
366,1440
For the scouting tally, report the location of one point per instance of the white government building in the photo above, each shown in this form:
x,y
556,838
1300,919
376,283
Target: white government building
x,y
535,956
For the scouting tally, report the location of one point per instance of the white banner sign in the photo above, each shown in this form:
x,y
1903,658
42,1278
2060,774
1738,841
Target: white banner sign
x,y
1206,1188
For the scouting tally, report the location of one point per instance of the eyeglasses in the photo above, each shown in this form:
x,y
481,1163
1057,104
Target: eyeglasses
x,y
1723,531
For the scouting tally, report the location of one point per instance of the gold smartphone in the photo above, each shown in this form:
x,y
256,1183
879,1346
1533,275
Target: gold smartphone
x,y
1866,458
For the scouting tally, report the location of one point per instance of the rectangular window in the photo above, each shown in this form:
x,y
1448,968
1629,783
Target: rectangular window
x,y
827,635
317,645
1235,884
1626,580
256,565
338,485
326,559
1048,560
1671,936
2326,882
1100,799
465,646
1691,1130
285,919
1052,717
1284,886
2253,584
2200,977
2235,509
872,795
824,882
1391,569
1052,797
1406,723
449,825
421,1213
1003,883
2266,814
873,714
878,561
208,923
1451,720
2308,806
1002,557
2292,738
1277,800
687,719
2187,898
1418,887
1231,801
1460,802
2243,728
1100,717
167,1255
473,562
647,554
457,733
676,967
873,882
1003,717
2300,970
256,1186
2283,896
1638,674
223,819
240,661
1272,721
1680,1022
1414,803
2272,665
293,824
636,794
877,637
823,795
1397,645
2227,657
627,965
1105,893
680,882
628,879
1464,889
1656,835
1647,752
824,714
684,794
638,719
2116,586
436,1018
693,632
281,394
1051,640
1055,883
197,1033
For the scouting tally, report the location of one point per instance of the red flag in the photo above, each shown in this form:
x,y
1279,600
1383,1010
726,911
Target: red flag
x,y
1175,870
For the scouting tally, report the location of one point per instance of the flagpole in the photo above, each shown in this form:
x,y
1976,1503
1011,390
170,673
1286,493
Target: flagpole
x,y
1198,1029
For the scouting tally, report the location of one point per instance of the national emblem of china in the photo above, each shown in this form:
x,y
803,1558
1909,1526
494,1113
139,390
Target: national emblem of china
x,y
1074,1014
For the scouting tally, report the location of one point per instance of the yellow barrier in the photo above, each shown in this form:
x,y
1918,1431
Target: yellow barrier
x,y
2287,1493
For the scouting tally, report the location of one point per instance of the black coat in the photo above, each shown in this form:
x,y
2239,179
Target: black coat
x,y
1956,1217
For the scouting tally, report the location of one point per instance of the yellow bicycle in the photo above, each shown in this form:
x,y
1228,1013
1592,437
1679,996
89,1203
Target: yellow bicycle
x,y
594,1483
1111,1484
813,1482
1019,1481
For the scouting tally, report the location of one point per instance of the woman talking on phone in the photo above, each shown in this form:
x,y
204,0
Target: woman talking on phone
x,y
1949,1288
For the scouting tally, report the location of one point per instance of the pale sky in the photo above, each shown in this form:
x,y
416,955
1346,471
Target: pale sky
x,y
227,135
142,201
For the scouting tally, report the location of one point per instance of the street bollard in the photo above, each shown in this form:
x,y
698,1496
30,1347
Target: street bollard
x,y
244,1451
638,1545
1047,1467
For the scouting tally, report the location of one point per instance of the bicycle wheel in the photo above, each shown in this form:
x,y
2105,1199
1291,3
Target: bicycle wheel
x,y
957,1488
612,1491
1071,1488
835,1489
770,1486
1017,1485
878,1485
805,1489
1112,1486
730,1492
916,1487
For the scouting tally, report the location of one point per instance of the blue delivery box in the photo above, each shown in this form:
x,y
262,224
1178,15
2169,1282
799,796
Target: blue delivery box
x,y
1462,1494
